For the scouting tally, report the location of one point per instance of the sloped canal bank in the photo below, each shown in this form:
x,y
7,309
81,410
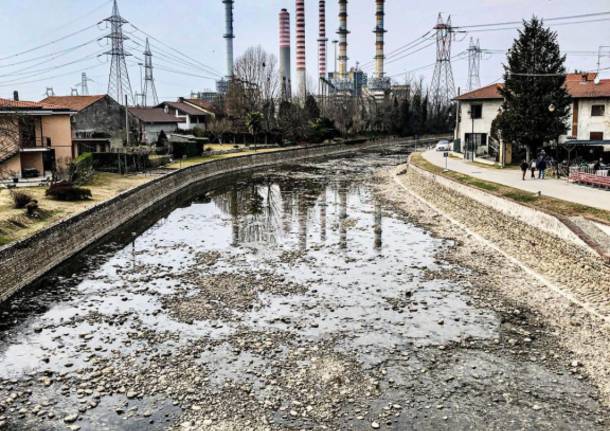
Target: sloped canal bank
x,y
292,298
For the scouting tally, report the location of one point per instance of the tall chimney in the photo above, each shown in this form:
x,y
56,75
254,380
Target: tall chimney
x,y
342,32
379,43
300,24
229,36
285,81
322,40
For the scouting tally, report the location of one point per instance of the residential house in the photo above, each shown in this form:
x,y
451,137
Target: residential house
x,y
35,138
589,122
153,121
193,114
99,122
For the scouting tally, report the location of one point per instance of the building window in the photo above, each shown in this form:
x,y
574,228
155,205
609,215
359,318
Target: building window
x,y
598,110
596,136
476,111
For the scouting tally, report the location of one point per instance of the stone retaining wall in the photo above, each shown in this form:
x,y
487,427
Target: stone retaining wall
x,y
25,261
535,218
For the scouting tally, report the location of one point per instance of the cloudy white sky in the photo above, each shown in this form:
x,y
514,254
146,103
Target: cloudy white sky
x,y
195,28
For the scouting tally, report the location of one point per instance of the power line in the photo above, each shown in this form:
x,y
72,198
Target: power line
x,y
49,43
52,55
551,24
588,15
212,70
4,84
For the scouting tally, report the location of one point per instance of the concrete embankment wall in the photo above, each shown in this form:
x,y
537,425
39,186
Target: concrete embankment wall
x,y
535,218
25,261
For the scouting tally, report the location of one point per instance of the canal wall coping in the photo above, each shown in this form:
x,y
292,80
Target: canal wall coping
x,y
27,260
533,217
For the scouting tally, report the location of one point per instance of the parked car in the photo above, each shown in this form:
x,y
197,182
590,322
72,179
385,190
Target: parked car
x,y
442,145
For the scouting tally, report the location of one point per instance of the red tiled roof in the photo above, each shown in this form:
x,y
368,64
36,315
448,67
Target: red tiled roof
x,y
583,86
76,103
490,92
186,108
578,85
22,104
154,115
204,104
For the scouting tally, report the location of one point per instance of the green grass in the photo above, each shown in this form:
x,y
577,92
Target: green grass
x,y
552,205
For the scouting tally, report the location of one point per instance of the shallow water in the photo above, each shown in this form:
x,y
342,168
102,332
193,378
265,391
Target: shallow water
x,y
362,271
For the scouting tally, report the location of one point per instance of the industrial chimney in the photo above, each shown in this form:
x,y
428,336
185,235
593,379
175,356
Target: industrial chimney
x,y
342,32
322,40
379,43
300,24
285,81
229,36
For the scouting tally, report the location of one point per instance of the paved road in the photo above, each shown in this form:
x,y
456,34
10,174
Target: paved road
x,y
559,189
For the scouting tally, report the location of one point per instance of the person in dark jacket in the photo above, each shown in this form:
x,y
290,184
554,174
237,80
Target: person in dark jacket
x,y
524,166
541,168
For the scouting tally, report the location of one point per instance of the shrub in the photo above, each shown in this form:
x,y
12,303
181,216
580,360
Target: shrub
x,y
32,208
81,169
66,191
20,199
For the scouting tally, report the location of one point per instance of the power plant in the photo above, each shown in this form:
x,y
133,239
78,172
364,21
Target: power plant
x,y
300,42
285,81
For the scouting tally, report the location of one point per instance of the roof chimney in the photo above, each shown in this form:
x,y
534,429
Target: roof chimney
x,y
16,96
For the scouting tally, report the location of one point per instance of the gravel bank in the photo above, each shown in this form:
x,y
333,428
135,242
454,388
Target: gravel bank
x,y
572,269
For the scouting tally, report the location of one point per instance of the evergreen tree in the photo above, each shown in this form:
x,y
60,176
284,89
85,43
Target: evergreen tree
x,y
312,111
536,104
405,117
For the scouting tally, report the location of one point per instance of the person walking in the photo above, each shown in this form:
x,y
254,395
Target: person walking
x,y
524,166
541,168
533,168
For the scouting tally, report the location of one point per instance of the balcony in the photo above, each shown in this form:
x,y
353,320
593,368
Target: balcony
x,y
34,142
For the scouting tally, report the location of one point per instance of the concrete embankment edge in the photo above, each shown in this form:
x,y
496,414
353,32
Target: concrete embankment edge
x,y
25,261
538,219
535,220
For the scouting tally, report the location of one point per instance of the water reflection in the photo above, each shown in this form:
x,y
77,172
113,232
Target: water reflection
x,y
377,225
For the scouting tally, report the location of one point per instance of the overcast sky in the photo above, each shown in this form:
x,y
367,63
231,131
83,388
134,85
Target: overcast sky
x,y
195,27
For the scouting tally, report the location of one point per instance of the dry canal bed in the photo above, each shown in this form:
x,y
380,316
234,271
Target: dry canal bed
x,y
288,299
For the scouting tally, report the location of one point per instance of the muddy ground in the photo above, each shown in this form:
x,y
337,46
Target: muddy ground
x,y
303,297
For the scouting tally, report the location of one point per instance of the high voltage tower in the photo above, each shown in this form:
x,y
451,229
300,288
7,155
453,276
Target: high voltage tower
x,y
84,84
150,91
119,85
443,85
474,64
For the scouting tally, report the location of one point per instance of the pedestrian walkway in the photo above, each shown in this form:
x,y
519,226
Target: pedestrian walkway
x,y
559,189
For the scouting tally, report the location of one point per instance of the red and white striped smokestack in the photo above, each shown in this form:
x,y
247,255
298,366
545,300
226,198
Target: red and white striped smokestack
x,y
379,43
322,40
285,81
301,60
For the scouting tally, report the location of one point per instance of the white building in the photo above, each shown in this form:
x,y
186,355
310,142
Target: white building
x,y
589,122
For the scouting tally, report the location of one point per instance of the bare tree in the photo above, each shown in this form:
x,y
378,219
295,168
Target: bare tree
x,y
256,70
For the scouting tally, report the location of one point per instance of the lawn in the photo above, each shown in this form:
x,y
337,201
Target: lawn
x,y
552,205
15,224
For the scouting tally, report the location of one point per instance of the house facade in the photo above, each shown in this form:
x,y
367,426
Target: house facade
x,y
98,124
153,121
35,138
192,114
588,124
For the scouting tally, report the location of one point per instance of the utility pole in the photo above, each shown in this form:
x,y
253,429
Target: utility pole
x,y
50,92
126,122
119,85
474,65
